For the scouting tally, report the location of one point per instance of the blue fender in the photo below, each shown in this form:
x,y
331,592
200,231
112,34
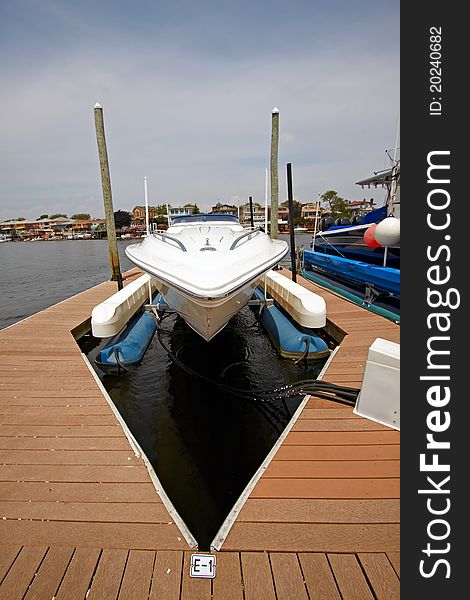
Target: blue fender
x,y
291,340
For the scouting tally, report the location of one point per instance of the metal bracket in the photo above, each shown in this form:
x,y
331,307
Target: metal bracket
x,y
256,302
371,294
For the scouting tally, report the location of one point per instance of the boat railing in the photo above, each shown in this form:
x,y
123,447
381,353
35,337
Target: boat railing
x,y
165,237
247,234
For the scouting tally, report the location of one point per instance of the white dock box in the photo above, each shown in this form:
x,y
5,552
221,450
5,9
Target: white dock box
x,y
379,398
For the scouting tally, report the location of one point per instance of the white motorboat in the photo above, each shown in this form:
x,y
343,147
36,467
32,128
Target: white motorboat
x,y
206,266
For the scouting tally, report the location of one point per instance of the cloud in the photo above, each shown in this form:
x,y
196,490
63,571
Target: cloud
x,y
195,121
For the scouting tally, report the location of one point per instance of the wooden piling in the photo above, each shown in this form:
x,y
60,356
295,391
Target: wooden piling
x,y
274,172
107,196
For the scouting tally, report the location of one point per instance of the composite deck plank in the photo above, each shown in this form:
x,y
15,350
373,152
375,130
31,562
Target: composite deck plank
x,y
327,488
194,588
288,577
257,576
332,468
45,411
79,574
167,574
381,576
58,443
228,581
50,574
145,536
75,473
341,438
295,510
325,413
343,453
8,557
65,457
320,403
48,397
338,425
349,577
77,492
394,558
108,576
316,537
62,431
85,402
21,574
47,420
111,512
318,576
137,575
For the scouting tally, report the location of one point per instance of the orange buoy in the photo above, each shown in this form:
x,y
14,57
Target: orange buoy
x,y
369,236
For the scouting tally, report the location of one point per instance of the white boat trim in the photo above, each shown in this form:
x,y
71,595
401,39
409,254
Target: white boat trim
x,y
306,308
109,317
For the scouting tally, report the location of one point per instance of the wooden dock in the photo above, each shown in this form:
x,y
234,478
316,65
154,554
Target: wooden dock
x,y
81,515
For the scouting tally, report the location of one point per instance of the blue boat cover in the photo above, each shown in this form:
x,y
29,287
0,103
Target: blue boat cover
x,y
386,279
290,339
130,345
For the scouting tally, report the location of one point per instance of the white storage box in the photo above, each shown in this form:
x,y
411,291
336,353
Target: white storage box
x,y
379,398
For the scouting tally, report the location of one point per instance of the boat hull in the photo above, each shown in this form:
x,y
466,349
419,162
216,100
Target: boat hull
x,y
207,316
206,269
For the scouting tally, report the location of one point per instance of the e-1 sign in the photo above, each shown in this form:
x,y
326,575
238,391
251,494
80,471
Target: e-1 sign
x,y
202,565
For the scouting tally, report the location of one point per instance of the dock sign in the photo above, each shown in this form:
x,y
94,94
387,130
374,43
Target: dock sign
x,y
202,565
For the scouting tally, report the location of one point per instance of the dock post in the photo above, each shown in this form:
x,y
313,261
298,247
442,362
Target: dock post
x,y
107,196
252,222
290,198
274,172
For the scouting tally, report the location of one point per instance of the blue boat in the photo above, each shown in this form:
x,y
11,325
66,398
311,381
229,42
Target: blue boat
x,y
344,237
383,279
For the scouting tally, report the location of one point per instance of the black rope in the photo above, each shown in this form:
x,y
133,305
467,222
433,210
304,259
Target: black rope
x,y
305,353
312,387
118,361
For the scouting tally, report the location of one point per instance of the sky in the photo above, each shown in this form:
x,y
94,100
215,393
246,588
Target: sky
x,y
187,89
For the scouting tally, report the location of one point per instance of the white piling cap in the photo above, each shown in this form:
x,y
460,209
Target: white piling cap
x,y
275,110
97,105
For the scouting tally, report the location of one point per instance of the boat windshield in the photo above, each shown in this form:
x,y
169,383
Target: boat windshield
x,y
204,218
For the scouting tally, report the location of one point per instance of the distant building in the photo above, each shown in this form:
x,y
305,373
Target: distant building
x,y
311,213
224,209
138,215
258,214
179,211
361,207
89,224
45,229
